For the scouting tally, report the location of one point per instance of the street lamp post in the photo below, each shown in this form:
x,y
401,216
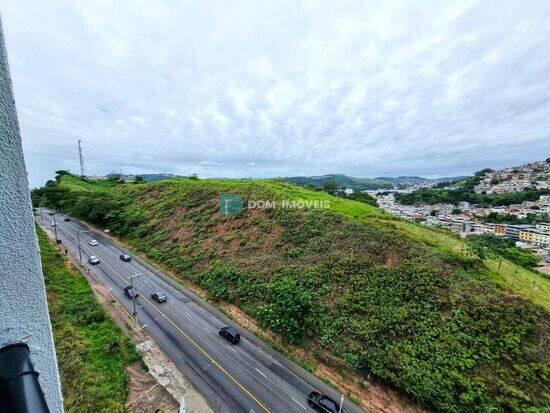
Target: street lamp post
x,y
55,228
134,294
78,242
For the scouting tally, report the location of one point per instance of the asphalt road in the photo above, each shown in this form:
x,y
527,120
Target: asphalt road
x,y
233,378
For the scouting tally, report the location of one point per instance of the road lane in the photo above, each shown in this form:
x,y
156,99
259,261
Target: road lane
x,y
245,372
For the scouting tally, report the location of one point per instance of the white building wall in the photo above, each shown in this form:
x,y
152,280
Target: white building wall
x,y
23,307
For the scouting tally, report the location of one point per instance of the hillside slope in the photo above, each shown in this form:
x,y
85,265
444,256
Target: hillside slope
x,y
349,283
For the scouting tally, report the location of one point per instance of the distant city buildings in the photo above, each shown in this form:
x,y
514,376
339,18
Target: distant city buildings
x,y
529,176
466,219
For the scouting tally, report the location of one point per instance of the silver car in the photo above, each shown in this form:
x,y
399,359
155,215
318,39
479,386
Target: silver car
x,y
93,260
93,242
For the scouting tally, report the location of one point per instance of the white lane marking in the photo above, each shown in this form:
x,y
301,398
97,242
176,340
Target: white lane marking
x,y
299,404
195,318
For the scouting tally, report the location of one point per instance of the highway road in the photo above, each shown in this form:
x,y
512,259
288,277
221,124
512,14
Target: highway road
x,y
233,378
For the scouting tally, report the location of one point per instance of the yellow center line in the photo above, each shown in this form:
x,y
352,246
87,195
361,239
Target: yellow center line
x,y
186,336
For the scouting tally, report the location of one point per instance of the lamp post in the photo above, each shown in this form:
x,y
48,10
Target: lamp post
x,y
55,228
131,277
78,242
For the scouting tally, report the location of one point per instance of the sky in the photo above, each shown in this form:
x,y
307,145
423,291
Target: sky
x,y
279,88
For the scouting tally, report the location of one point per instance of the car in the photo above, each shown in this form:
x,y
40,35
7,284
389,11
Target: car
x,y
93,260
322,403
51,213
66,219
131,292
159,297
93,242
54,224
125,257
230,334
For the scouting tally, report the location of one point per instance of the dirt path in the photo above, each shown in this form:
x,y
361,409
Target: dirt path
x,y
161,388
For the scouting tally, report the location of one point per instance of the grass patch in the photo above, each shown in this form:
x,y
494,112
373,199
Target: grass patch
x,y
92,352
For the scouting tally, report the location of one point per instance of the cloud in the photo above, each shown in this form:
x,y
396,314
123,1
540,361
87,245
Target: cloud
x,y
280,88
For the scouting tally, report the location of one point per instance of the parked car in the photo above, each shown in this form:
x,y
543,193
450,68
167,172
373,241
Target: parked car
x,y
130,292
125,257
322,403
93,260
93,242
66,219
159,297
230,334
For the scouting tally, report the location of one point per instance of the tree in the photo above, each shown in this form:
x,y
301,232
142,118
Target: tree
x,y
331,187
139,179
289,311
312,187
363,197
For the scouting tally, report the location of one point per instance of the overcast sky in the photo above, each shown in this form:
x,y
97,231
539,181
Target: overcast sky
x,y
278,88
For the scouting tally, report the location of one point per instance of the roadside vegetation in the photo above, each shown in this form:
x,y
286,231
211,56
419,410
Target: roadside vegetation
x,y
92,352
419,309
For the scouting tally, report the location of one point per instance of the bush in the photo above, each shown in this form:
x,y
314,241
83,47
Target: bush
x,y
289,311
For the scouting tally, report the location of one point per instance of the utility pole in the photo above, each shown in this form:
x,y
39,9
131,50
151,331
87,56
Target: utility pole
x,y
341,403
134,294
81,158
55,228
79,246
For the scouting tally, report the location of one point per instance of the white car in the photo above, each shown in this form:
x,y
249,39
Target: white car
x,y
93,242
54,224
93,260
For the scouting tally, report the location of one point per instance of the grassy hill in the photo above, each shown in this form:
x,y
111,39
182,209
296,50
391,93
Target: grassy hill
x,y
351,284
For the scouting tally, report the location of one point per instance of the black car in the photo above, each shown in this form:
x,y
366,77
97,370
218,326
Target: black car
x,y
322,403
66,219
230,334
125,257
130,292
159,296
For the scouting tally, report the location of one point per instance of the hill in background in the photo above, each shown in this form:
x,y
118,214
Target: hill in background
x,y
361,184
357,288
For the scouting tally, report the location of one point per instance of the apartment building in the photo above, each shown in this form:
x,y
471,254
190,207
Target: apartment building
x,y
541,238
543,226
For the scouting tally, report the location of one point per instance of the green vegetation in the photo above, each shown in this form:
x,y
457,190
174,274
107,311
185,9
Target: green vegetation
x,y
453,196
420,309
492,245
464,191
92,352
495,218
360,184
